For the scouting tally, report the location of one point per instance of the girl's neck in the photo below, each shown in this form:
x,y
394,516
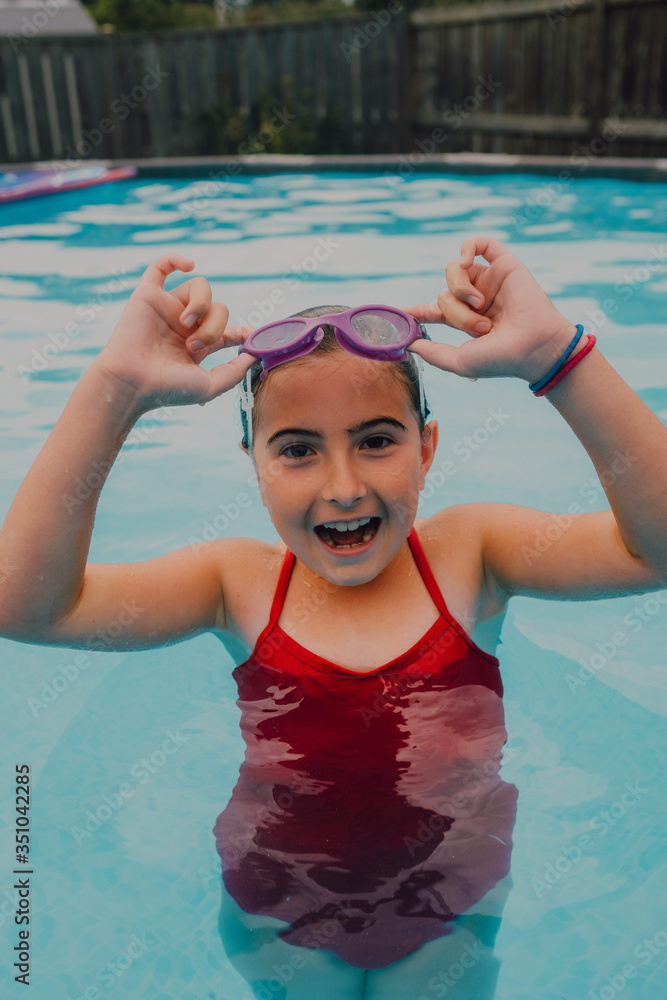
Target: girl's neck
x,y
351,597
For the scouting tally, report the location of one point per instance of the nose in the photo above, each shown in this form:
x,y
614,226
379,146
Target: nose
x,y
342,482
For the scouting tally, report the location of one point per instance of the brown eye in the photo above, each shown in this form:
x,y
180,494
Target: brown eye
x,y
378,442
298,450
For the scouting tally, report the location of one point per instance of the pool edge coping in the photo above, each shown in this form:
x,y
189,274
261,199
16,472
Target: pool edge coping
x,y
403,164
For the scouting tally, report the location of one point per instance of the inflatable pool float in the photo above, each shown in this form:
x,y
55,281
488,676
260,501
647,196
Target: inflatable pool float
x,y
29,183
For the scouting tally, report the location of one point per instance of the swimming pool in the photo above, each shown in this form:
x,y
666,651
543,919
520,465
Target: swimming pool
x,y
126,886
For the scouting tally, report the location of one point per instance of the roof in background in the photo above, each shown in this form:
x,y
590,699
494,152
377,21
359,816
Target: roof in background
x,y
29,18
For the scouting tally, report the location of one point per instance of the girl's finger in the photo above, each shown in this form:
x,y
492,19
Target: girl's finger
x,y
210,334
214,334
428,312
225,376
481,246
237,333
462,316
156,272
195,296
479,285
464,284
443,356
449,311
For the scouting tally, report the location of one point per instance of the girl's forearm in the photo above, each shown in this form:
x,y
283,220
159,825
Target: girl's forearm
x,y
45,537
627,443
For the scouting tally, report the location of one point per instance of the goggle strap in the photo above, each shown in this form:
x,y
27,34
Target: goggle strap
x,y
247,402
422,396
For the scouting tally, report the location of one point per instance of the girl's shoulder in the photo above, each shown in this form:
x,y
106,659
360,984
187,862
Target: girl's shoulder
x,y
251,558
249,569
453,544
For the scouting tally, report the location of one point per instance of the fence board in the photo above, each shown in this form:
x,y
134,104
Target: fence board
x,y
476,137
8,148
40,111
498,56
402,75
130,129
356,105
113,146
272,47
656,64
72,91
231,83
51,107
340,81
387,93
159,109
320,39
242,69
308,71
13,139
577,54
29,105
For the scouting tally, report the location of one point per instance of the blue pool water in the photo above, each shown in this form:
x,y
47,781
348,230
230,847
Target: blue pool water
x,y
586,747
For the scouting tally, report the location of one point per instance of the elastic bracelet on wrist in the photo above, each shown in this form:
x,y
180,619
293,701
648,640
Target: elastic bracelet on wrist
x,y
561,361
590,344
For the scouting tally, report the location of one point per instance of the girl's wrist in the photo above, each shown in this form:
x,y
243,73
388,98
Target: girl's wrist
x,y
547,362
120,394
567,365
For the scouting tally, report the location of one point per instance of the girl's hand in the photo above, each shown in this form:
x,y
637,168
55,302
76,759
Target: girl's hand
x,y
162,336
516,329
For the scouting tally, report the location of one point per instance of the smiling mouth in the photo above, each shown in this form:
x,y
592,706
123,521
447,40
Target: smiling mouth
x,y
337,538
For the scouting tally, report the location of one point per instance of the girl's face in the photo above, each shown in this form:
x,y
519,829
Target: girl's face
x,y
338,442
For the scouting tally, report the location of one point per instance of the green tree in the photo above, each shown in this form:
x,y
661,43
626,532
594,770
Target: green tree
x,y
225,131
135,15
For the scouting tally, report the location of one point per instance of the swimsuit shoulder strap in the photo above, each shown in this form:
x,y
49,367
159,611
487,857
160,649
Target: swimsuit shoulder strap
x,y
427,574
438,599
281,588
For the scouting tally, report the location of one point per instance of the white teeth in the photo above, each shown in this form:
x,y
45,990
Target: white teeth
x,y
346,525
368,533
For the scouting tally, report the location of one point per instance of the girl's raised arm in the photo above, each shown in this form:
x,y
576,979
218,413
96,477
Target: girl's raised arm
x,y
517,331
48,593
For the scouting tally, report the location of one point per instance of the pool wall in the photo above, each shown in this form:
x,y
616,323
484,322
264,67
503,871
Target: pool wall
x,y
564,167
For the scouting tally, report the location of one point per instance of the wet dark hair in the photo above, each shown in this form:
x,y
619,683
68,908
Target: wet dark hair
x,y
405,372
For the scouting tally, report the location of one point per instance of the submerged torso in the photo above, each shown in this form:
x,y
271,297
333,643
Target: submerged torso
x,y
369,811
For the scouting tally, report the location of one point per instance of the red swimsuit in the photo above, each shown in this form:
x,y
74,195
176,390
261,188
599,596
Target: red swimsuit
x,y
369,812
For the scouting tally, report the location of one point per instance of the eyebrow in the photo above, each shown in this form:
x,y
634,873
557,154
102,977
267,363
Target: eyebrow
x,y
365,425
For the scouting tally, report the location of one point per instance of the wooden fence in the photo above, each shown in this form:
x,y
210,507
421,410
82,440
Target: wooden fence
x,y
545,76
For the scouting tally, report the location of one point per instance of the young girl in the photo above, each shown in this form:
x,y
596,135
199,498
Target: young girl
x,y
366,847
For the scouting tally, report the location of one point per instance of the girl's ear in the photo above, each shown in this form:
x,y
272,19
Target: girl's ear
x,y
428,446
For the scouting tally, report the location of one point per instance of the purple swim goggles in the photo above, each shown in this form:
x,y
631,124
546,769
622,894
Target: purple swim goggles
x,y
378,332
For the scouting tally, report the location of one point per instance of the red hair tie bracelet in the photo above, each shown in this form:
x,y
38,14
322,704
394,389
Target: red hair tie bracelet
x,y
590,344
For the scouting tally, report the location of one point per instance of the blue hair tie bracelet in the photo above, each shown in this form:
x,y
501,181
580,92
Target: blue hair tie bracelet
x,y
561,361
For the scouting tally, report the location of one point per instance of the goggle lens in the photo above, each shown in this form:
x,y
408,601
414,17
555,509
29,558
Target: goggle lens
x,y
278,336
378,329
